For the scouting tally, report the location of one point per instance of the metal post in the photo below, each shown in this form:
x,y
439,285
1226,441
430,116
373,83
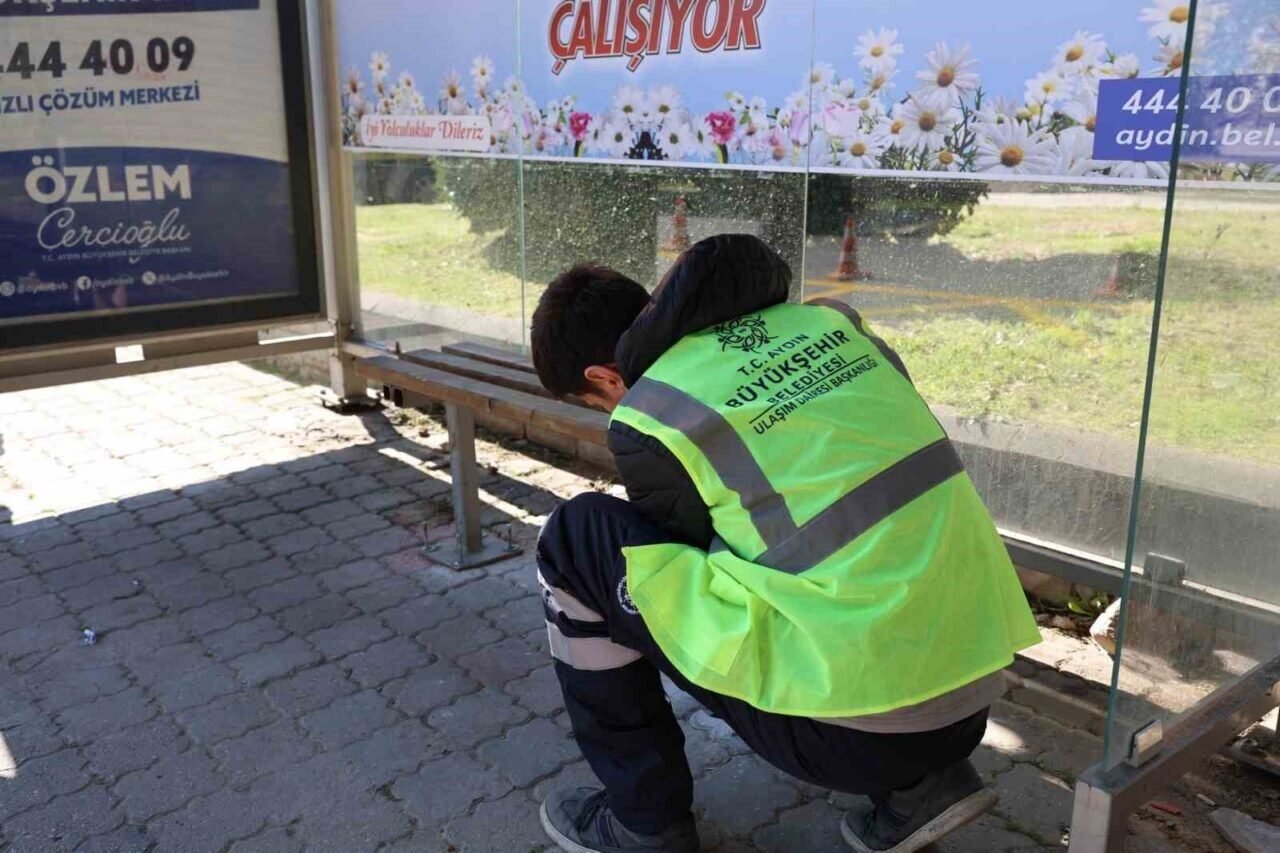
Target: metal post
x,y
336,209
466,486
473,548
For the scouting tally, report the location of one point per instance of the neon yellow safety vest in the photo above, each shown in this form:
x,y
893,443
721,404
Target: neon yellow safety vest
x,y
855,569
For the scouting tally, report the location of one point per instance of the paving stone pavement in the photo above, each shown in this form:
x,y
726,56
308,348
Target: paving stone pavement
x,y
279,668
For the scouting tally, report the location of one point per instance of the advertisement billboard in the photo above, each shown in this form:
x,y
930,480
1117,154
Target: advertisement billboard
x,y
154,166
998,90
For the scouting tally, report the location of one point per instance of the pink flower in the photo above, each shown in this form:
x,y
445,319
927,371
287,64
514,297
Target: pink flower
x,y
778,143
579,124
800,128
840,121
722,126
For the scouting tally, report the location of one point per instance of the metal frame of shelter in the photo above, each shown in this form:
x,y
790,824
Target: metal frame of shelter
x,y
1104,797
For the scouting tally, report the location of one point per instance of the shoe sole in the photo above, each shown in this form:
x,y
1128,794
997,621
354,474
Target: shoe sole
x,y
961,814
562,841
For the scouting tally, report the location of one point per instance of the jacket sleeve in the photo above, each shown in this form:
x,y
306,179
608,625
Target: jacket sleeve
x,y
658,485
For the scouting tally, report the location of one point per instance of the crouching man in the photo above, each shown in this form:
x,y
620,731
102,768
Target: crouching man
x,y
802,552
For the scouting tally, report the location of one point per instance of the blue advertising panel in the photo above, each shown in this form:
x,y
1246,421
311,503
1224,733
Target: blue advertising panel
x,y
153,168
1226,119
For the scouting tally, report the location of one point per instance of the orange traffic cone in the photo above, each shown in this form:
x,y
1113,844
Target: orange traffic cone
x,y
679,228
847,269
1111,287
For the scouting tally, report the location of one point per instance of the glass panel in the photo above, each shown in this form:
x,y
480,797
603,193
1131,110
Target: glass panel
x,y
438,235
439,248
1203,604
637,219
1023,311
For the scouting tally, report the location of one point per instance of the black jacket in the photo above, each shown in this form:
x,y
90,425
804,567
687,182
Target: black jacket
x,y
719,279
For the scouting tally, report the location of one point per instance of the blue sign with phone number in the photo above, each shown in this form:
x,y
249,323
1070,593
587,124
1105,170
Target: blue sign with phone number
x,y
1231,119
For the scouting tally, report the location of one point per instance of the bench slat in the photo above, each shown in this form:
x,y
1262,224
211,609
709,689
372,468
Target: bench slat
x,y
490,355
516,380
575,421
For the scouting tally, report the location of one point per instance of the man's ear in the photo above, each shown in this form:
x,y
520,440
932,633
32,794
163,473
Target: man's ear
x,y
605,378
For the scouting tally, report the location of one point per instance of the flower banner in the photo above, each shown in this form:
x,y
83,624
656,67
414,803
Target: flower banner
x,y
1001,89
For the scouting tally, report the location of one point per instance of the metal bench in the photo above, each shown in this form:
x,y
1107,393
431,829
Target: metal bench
x,y
471,379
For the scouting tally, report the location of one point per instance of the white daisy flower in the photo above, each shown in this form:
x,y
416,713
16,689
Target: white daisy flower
x,y
1079,138
891,127
1075,153
847,88
417,103
482,69
1168,19
407,82
511,87
878,51
882,81
665,101
821,153
567,102
452,95
862,150
870,105
950,71
753,138
357,106
1122,67
676,140
1083,110
628,101
737,101
1082,52
944,160
928,119
702,141
797,102
1048,89
1170,61
820,75
354,84
998,110
1140,170
615,140
379,66
646,116
1015,149
757,110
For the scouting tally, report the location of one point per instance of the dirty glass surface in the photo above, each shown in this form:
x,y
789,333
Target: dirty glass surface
x,y
1203,602
439,248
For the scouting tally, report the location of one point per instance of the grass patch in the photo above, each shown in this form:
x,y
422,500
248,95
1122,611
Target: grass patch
x,y
427,252
1218,373
1227,252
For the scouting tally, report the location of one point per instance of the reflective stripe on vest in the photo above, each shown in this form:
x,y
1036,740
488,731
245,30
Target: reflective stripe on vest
x,y
790,548
725,452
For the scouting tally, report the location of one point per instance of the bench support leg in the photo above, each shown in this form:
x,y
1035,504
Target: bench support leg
x,y
472,547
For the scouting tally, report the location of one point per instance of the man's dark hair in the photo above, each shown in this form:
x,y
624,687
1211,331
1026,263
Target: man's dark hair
x,y
579,319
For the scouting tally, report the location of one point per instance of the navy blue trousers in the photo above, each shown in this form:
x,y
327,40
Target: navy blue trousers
x,y
621,717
